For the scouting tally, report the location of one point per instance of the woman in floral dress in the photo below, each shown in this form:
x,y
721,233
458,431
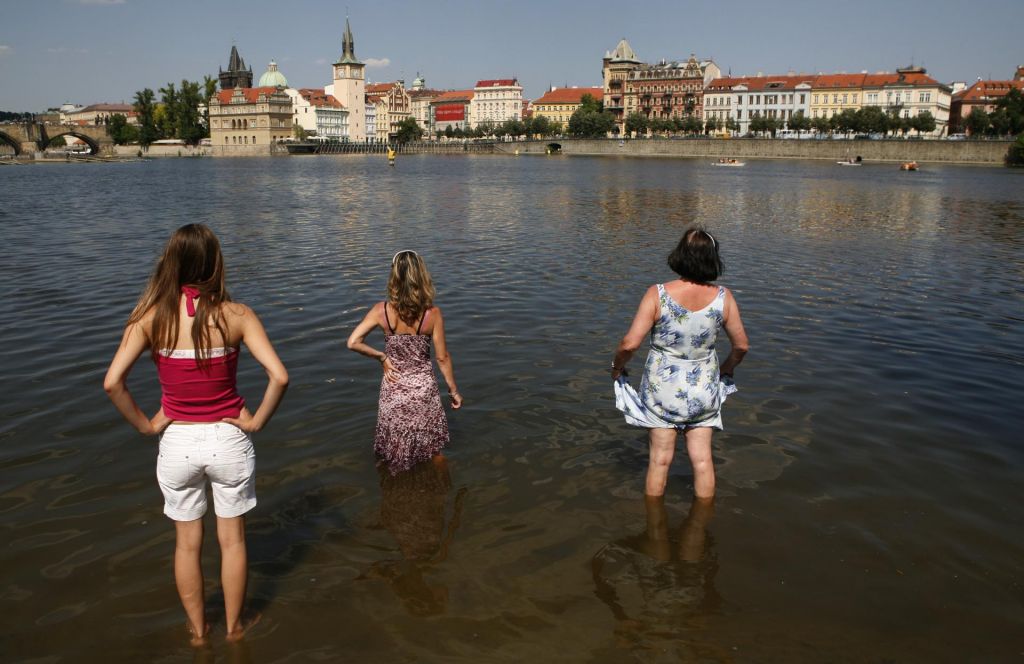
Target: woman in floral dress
x,y
411,424
683,386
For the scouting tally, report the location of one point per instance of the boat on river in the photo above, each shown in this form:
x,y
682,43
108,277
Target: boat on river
x,y
728,162
852,161
909,166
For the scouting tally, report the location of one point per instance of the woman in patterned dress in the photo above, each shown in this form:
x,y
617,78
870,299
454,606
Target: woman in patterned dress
x,y
683,386
411,424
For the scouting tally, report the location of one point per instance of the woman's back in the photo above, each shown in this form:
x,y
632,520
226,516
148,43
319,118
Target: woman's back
x,y
688,321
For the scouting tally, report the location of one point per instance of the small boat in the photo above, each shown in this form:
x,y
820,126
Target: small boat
x,y
908,166
851,161
728,162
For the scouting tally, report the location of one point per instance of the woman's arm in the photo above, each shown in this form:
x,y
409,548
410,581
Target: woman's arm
x,y
646,315
255,339
737,335
444,360
133,344
356,342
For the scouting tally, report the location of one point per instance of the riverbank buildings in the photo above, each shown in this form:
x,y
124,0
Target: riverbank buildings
x,y
392,104
743,98
983,94
245,121
420,97
494,101
450,109
558,104
319,114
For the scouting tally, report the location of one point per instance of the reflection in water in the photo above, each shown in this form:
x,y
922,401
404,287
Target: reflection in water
x,y
660,585
413,508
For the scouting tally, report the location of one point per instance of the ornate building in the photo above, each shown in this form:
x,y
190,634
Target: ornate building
x,y
393,106
248,120
237,76
669,90
495,101
349,86
983,95
319,113
616,67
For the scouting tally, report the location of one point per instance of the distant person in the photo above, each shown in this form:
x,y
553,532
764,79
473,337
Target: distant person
x,y
411,424
193,330
683,386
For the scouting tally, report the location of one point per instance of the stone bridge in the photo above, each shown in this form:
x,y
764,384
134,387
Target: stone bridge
x,y
27,138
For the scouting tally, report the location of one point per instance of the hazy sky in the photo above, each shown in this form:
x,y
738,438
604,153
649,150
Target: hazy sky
x,y
88,51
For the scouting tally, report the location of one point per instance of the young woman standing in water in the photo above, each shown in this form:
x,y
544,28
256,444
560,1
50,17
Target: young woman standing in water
x,y
411,424
193,330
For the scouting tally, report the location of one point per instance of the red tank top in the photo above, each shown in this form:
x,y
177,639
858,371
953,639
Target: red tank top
x,y
194,394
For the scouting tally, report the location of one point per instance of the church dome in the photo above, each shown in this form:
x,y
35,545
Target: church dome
x,y
272,78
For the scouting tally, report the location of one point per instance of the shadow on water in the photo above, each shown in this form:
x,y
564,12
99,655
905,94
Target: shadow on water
x,y
414,510
660,585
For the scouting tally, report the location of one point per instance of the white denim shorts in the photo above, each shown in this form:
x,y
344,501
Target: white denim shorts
x,y
191,453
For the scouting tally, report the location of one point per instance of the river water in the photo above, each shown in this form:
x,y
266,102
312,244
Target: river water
x,y
869,474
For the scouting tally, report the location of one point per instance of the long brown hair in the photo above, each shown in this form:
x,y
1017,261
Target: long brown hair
x,y
193,258
410,288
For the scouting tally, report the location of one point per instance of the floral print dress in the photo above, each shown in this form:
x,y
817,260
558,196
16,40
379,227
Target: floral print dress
x,y
681,387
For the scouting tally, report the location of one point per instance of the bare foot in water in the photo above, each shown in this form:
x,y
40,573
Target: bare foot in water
x,y
195,639
244,626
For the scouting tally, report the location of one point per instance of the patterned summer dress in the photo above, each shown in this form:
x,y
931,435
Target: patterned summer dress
x,y
681,387
411,424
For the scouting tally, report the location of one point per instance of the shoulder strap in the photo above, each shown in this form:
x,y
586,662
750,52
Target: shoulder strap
x,y
422,320
387,320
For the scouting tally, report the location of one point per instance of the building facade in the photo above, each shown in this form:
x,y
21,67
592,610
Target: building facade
x,y
558,104
419,106
742,99
349,87
668,90
249,117
393,106
908,93
831,94
319,113
370,114
450,109
983,95
98,114
237,75
495,101
615,69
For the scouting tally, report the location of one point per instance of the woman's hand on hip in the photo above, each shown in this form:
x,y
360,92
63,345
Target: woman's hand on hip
x,y
390,372
158,423
245,421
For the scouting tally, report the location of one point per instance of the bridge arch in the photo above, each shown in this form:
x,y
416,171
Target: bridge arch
x,y
8,140
94,147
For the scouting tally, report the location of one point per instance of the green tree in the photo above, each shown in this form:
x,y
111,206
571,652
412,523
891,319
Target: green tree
x,y
757,124
408,130
636,123
120,131
1000,123
872,120
298,131
588,103
923,123
848,121
1015,155
712,125
977,122
539,126
821,125
1013,105
485,128
145,108
585,123
732,124
449,132
799,122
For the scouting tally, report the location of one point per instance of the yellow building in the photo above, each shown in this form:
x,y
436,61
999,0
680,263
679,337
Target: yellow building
x,y
246,117
831,94
558,104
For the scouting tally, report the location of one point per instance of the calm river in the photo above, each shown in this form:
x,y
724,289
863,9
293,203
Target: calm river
x,y
869,474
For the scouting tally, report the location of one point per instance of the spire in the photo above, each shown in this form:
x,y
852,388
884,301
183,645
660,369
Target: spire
x,y
348,46
235,62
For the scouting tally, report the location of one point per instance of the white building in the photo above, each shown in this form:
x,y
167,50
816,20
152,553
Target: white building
x,y
748,97
319,113
370,115
495,101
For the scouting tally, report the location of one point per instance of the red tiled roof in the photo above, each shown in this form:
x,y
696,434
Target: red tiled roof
x,y
377,88
455,95
987,90
251,95
839,81
374,99
569,95
910,78
415,94
317,97
770,82
496,82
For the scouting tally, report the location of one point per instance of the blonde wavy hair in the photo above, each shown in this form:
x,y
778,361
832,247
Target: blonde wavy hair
x,y
410,288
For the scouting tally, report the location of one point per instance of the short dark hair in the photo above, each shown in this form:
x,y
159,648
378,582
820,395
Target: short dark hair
x,y
696,257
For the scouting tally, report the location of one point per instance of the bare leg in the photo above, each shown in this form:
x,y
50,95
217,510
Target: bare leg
x,y
663,448
188,575
234,569
698,446
692,541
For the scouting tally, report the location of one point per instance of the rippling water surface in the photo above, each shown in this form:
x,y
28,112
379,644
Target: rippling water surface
x,y
869,473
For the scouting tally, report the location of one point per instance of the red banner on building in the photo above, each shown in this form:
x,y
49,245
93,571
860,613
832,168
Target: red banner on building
x,y
450,113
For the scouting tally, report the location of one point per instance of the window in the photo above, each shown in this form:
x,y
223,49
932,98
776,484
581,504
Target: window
x,y
814,99
835,99
802,97
924,97
844,98
739,114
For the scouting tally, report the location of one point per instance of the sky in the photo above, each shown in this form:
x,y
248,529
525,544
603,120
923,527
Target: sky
x,y
91,51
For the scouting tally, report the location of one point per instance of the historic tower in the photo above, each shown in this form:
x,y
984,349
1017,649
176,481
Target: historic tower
x,y
237,76
350,86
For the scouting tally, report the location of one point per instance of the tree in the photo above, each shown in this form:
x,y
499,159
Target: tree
x,y
298,131
757,124
977,122
848,121
449,132
145,108
588,123
1015,155
1012,104
821,125
636,123
799,122
712,125
588,103
872,120
209,90
539,126
692,124
732,124
120,131
999,122
408,130
923,122
485,128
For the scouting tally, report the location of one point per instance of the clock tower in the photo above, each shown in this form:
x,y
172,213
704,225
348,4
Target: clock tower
x,y
350,86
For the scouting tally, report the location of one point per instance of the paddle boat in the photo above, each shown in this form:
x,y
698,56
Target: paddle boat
x,y
728,162
908,166
852,161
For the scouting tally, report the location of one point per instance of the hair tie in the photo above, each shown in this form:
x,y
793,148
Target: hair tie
x,y
191,293
713,240
403,251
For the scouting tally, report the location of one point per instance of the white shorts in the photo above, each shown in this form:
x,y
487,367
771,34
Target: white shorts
x,y
191,453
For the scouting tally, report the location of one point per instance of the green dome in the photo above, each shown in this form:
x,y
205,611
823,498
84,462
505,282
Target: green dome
x,y
272,78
